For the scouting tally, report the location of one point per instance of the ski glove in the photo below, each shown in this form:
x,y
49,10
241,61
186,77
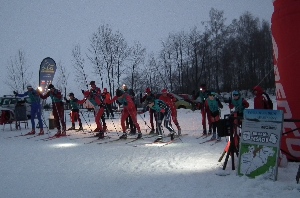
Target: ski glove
x,y
15,93
82,91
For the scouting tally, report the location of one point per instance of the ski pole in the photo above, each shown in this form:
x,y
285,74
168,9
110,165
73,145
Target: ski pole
x,y
86,122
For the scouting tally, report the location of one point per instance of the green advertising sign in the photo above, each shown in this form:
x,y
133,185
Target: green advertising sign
x,y
260,143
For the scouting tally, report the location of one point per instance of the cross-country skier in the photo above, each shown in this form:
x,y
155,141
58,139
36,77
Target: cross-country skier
x,y
96,91
163,115
74,111
128,109
170,101
213,104
239,104
129,120
151,111
57,109
36,109
98,110
201,97
106,97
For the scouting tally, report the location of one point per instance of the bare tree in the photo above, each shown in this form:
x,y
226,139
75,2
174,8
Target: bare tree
x,y
18,74
62,78
137,58
78,64
108,52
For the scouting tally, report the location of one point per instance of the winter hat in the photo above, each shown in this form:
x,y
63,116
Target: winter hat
x,y
92,82
50,86
29,87
148,90
164,91
71,94
104,90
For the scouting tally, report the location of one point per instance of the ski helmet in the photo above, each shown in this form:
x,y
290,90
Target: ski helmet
x,y
71,94
235,93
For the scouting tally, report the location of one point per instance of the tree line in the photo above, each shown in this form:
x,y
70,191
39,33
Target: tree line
x,y
225,57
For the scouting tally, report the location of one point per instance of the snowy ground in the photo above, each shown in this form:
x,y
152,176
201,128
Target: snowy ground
x,y
69,168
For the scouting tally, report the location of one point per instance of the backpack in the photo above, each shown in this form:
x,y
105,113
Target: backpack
x,y
269,101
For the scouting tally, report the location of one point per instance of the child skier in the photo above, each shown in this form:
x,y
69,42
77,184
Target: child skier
x,y
213,104
163,114
74,111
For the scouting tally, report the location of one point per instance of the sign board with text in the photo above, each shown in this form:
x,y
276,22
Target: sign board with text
x,y
260,143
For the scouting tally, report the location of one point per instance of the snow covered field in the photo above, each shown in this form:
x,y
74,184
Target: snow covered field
x,y
70,168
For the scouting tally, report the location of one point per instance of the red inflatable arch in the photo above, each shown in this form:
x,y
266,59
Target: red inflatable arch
x,y
286,46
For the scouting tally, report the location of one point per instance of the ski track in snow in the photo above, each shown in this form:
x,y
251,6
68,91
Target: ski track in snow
x,y
67,167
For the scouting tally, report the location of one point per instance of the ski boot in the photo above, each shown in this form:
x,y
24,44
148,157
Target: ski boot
x,y
32,132
218,138
73,127
139,136
41,132
80,127
159,139
58,133
132,132
204,132
179,129
101,135
213,137
172,135
124,136
152,132
63,132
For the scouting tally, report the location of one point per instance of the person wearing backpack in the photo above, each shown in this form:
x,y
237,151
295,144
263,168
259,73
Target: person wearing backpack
x,y
260,102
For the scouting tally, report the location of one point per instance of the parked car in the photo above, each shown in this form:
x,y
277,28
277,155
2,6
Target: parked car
x,y
10,101
189,98
180,103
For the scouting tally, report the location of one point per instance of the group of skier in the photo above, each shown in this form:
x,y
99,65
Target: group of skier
x,y
161,109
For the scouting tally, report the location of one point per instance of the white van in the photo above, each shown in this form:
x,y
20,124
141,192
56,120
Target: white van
x,y
10,101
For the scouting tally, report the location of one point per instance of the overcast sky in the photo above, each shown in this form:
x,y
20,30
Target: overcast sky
x,y
44,28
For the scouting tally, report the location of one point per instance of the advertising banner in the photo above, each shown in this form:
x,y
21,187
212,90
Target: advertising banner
x,y
286,41
46,75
